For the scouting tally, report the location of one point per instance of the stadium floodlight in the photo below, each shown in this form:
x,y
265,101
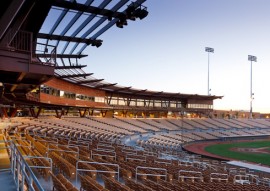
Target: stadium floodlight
x,y
251,59
121,22
209,50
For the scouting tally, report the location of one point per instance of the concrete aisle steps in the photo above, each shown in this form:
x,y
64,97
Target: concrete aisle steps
x,y
6,181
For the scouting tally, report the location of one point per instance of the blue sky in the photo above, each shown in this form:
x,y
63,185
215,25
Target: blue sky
x,y
165,51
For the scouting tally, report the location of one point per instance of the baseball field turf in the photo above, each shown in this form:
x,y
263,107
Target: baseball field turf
x,y
252,151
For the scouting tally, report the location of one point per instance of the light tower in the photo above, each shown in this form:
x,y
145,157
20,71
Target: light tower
x,y
254,59
209,50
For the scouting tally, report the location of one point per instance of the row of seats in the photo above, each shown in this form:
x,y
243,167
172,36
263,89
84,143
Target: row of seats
x,y
164,140
60,183
189,181
89,184
113,185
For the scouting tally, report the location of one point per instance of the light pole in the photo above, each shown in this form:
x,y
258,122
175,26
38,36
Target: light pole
x,y
209,50
182,140
254,59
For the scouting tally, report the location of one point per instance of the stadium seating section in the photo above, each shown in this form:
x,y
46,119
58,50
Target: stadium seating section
x,y
91,153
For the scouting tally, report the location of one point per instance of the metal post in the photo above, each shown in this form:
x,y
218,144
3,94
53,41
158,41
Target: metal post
x,y
208,88
251,58
208,50
250,114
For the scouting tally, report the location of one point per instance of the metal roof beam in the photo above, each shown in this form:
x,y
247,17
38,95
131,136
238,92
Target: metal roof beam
x,y
105,85
9,15
102,20
68,38
62,55
157,93
111,23
74,20
87,9
90,81
85,23
69,67
121,89
75,75
139,91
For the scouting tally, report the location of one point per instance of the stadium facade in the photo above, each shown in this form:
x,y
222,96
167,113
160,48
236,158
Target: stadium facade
x,y
42,43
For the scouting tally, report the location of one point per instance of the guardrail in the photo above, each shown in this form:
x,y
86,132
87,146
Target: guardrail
x,y
241,179
46,53
21,171
193,175
20,41
147,174
105,153
105,147
81,143
100,163
219,177
135,157
163,161
64,151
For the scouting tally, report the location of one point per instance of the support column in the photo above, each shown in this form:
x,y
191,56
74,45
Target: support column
x,y
103,113
58,114
2,113
13,112
82,113
124,113
91,112
33,113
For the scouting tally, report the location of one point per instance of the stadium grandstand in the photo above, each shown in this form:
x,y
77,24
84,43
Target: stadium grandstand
x,y
63,129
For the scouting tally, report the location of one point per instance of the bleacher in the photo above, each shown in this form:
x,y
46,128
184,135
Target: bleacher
x,y
77,154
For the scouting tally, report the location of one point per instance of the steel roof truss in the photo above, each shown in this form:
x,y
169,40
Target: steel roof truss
x,y
88,20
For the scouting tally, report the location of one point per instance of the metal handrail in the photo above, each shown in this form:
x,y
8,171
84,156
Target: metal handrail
x,y
192,173
86,170
101,146
20,167
97,154
242,179
21,41
143,158
105,143
164,161
45,49
61,150
150,168
219,177
81,142
185,163
32,157
147,153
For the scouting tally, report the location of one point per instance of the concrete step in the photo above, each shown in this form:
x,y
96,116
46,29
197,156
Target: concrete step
x,y
6,181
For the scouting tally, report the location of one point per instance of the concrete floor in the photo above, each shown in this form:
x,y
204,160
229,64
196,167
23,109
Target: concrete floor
x,y
6,181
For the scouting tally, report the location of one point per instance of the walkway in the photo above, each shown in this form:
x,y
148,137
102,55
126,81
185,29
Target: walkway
x,y
6,181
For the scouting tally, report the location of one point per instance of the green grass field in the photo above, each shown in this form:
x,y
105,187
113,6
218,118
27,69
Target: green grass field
x,y
225,151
